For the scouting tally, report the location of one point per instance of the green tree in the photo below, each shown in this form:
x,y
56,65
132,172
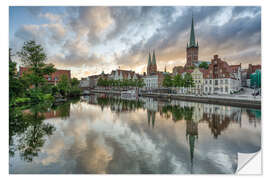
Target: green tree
x,y
203,65
16,85
33,56
188,80
167,82
178,81
64,85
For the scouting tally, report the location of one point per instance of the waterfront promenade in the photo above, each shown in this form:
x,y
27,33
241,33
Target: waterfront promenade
x,y
247,101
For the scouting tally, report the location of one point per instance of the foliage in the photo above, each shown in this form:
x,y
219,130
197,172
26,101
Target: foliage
x,y
64,85
203,65
167,82
16,85
178,81
32,55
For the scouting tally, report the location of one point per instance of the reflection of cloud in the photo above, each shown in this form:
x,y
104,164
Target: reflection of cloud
x,y
95,141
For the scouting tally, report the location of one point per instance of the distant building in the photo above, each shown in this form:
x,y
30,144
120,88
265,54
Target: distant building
x,y
152,64
119,74
153,81
54,78
219,78
252,68
197,76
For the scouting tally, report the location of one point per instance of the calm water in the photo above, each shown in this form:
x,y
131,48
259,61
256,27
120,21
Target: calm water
x,y
99,134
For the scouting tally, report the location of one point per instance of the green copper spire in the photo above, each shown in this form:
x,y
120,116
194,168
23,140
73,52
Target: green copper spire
x,y
149,60
192,35
154,58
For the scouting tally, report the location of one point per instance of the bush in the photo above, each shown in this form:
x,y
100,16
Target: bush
x,y
22,100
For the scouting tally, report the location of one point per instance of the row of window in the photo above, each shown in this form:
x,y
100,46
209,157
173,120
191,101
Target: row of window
x,y
221,89
216,81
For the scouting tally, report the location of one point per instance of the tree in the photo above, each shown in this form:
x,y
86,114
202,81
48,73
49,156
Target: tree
x,y
33,56
167,82
16,85
203,65
188,80
64,85
178,81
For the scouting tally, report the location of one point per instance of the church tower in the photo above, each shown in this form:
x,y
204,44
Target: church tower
x,y
152,65
192,50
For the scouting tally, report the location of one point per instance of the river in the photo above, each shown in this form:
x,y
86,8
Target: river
x,y
102,134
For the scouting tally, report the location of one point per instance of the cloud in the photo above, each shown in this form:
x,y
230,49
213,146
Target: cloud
x,y
123,36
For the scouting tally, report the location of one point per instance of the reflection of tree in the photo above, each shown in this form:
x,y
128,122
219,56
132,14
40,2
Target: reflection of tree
x,y
178,113
29,130
62,110
119,105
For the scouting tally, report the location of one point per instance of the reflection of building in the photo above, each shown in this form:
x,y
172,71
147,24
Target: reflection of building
x,y
151,117
219,117
192,135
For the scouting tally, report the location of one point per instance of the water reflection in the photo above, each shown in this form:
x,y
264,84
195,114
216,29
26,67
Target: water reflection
x,y
105,134
28,130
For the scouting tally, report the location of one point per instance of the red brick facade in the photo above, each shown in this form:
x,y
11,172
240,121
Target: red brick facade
x,y
218,69
192,54
53,78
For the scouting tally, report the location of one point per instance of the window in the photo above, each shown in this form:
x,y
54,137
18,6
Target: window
x,y
210,89
221,81
205,89
210,81
226,89
221,89
216,82
226,81
55,78
206,81
49,78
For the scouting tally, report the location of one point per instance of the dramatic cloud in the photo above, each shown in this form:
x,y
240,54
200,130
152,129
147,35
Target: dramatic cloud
x,y
88,40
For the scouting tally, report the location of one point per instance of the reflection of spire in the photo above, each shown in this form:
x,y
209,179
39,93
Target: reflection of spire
x,y
191,135
148,117
191,149
153,119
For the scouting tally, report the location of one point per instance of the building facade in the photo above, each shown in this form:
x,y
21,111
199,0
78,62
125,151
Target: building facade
x,y
53,78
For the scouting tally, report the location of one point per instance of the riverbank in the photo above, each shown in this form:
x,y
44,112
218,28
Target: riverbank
x,y
239,101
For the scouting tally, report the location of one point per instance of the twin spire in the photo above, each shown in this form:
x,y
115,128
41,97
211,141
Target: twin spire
x,y
153,62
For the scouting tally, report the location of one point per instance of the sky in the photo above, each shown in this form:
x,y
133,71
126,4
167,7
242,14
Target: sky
x,y
88,40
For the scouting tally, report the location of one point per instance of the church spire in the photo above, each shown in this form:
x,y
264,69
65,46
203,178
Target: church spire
x,y
154,58
149,60
192,35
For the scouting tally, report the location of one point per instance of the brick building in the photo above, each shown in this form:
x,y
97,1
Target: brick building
x,y
192,50
152,64
53,78
220,78
252,68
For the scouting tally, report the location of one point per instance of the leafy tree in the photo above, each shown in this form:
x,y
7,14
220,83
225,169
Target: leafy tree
x,y
178,81
16,86
32,55
188,80
203,65
167,82
64,85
